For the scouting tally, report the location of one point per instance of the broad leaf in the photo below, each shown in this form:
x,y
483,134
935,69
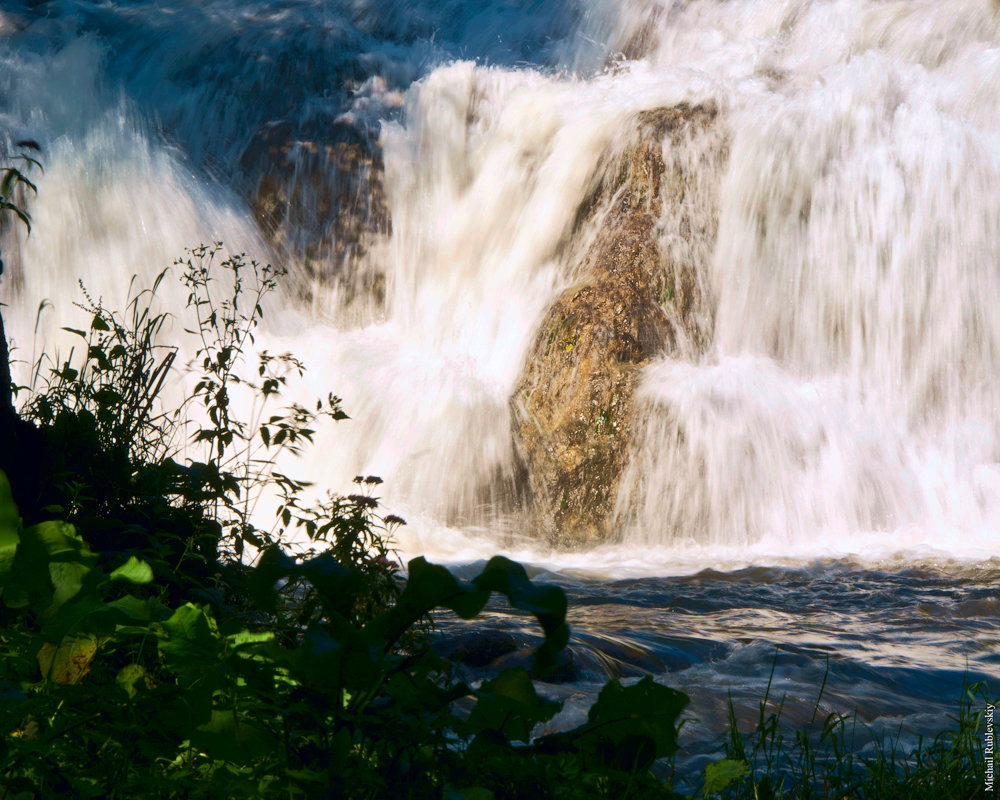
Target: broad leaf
x,y
191,642
627,728
69,661
645,707
133,571
720,774
67,581
509,705
10,524
132,678
227,737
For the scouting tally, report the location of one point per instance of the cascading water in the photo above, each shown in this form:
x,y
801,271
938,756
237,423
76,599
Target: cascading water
x,y
854,385
844,228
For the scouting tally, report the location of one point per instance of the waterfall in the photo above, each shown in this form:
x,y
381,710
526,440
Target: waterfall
x,y
850,399
431,174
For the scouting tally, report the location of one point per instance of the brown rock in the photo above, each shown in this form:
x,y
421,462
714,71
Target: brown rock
x,y
320,198
573,405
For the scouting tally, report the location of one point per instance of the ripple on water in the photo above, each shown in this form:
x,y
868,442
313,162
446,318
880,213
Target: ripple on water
x,y
891,647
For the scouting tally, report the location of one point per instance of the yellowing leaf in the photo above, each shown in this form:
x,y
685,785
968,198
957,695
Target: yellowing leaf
x,y
69,661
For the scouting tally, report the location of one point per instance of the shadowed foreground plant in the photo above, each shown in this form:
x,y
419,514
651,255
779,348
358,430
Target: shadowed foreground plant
x,y
303,675
110,692
119,455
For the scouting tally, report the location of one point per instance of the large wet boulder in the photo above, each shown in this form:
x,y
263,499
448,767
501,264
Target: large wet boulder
x,y
319,196
641,292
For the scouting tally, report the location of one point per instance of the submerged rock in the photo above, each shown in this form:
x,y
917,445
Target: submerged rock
x,y
478,648
639,295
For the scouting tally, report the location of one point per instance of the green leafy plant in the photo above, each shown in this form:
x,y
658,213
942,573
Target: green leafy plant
x,y
227,296
112,693
116,384
146,654
323,653
117,453
14,180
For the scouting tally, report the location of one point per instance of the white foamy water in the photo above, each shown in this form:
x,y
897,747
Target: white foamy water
x,y
847,404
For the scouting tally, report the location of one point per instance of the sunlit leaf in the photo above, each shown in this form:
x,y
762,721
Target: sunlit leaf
x,y
133,571
131,678
191,642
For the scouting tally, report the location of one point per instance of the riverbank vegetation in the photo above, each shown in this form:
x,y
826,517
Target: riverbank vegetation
x,y
159,642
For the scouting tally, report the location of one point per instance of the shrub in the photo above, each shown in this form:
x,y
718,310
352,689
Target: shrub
x,y
148,658
112,447
111,692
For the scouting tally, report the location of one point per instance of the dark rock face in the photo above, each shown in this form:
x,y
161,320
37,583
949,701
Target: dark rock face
x,y
589,656
573,405
478,649
320,198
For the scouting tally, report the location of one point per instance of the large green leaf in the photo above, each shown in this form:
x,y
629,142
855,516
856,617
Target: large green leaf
x,y
228,737
509,705
646,707
249,638
432,586
132,678
10,524
191,644
719,774
77,616
51,566
67,581
627,728
274,565
69,661
57,541
336,584
133,571
429,586
546,602
132,608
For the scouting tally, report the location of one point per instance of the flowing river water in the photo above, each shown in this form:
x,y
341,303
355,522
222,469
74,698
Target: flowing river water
x,y
816,493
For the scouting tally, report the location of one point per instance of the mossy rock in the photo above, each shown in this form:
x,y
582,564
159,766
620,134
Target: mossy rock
x,y
573,406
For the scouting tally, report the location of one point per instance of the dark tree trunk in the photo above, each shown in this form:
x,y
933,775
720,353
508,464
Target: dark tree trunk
x,y
7,415
8,419
24,448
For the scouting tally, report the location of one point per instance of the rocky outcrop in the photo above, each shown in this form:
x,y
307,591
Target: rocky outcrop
x,y
320,199
638,295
